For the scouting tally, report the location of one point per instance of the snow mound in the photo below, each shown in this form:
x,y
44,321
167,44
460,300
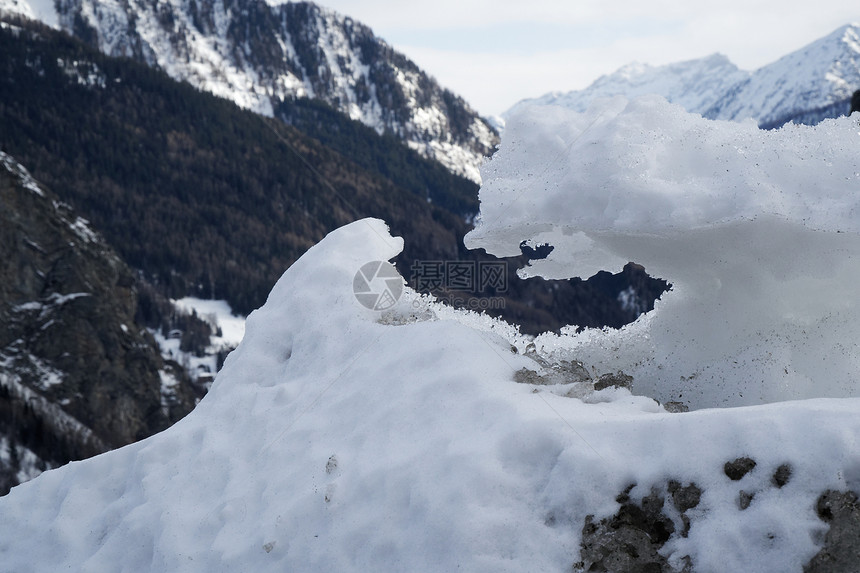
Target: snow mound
x,y
338,438
758,231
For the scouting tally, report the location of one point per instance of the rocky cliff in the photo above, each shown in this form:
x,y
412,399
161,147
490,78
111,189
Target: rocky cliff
x,y
77,375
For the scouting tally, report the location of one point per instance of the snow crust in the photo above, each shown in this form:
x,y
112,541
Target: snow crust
x,y
337,438
757,230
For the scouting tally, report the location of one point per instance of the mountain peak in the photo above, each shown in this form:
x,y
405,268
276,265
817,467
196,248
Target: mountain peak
x,y
805,86
693,84
260,54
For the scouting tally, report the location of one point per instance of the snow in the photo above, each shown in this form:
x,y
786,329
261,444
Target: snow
x,y
337,438
49,304
756,230
822,73
696,85
28,463
84,73
169,384
20,173
44,10
16,7
424,438
219,315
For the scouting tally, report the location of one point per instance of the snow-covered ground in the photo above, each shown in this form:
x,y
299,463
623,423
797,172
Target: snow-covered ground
x,y
227,332
220,317
423,438
43,10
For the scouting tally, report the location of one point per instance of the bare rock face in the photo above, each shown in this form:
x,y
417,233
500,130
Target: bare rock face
x,y
77,376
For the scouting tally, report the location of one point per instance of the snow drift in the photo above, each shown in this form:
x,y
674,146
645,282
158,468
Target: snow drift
x,y
337,438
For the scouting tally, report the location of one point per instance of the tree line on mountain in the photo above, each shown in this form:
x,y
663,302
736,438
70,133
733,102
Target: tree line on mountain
x,y
381,154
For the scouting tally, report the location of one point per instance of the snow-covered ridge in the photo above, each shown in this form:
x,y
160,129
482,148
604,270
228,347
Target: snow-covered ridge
x,y
258,55
823,74
20,172
18,7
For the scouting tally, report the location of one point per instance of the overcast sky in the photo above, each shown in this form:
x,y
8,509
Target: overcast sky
x,y
496,52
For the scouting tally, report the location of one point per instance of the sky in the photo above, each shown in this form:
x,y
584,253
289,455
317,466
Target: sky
x,y
495,53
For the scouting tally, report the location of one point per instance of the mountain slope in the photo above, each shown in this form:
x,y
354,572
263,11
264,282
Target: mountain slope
x,y
259,56
77,374
805,86
817,76
696,85
200,195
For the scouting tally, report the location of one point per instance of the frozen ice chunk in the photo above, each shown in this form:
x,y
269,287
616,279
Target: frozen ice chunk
x,y
757,230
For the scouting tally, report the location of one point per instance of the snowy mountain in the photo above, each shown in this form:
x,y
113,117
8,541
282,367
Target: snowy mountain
x,y
259,55
805,86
